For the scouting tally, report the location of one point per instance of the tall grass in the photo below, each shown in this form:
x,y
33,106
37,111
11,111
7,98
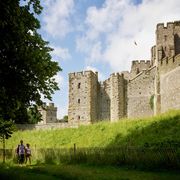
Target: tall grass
x,y
149,158
158,130
150,142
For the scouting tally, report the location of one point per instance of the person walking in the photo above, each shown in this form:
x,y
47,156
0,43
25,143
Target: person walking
x,y
21,152
28,153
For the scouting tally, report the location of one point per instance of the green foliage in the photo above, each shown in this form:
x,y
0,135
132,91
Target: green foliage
x,y
151,101
144,143
65,118
34,115
26,69
161,129
6,129
53,172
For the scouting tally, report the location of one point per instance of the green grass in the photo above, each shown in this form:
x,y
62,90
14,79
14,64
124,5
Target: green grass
x,y
155,131
149,143
53,172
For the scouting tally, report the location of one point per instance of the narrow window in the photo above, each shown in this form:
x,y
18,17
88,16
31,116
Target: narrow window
x,y
79,85
78,101
79,117
165,38
137,71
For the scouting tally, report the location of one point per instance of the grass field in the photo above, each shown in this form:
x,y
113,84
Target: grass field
x,y
52,172
150,143
162,130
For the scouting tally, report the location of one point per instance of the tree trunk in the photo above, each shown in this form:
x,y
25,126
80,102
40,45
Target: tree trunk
x,y
4,151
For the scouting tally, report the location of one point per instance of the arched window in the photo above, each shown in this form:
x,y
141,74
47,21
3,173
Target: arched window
x,y
79,101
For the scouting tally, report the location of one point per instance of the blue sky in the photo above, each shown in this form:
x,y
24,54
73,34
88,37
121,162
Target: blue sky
x,y
100,34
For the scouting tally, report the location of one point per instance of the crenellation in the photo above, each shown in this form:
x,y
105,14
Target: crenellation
x,y
160,26
168,64
49,113
170,25
144,91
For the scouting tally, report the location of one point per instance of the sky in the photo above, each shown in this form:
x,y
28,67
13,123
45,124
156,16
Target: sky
x,y
100,35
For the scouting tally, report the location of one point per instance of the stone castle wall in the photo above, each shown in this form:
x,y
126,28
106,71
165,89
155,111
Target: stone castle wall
x,y
82,92
117,97
140,91
170,83
104,90
49,113
131,94
139,66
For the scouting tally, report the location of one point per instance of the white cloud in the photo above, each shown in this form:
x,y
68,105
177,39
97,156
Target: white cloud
x,y
57,17
101,77
61,111
112,29
60,53
59,79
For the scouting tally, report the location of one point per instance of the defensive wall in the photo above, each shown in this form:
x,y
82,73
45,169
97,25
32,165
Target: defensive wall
x,y
140,92
151,86
46,126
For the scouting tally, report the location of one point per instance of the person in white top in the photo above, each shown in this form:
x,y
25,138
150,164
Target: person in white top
x,y
21,152
28,153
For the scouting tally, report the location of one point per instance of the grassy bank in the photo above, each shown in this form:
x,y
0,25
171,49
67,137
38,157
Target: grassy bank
x,y
162,130
150,143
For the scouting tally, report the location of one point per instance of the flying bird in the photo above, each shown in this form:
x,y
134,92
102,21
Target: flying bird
x,y
135,43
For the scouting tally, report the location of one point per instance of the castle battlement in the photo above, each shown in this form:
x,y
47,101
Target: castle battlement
x,y
48,112
169,63
117,74
82,73
129,94
139,62
168,25
163,26
137,66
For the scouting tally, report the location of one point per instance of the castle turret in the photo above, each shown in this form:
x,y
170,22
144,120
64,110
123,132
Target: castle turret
x,y
82,97
167,40
49,113
117,106
167,47
139,66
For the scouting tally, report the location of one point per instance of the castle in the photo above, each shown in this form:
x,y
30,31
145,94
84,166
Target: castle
x,y
151,87
49,113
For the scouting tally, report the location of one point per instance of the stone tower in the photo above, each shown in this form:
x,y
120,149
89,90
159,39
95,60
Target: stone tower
x,y
82,97
49,113
117,96
151,87
167,46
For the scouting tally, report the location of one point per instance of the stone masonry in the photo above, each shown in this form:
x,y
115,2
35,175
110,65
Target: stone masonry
x,y
49,113
151,87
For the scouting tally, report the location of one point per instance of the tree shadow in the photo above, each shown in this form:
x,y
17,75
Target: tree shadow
x,y
160,133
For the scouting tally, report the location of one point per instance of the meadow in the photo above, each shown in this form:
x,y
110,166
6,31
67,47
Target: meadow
x,y
82,172
147,144
158,131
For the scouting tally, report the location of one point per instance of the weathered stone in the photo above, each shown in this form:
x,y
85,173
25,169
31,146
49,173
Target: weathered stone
x,y
130,94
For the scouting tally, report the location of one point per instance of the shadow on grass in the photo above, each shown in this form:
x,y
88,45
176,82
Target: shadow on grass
x,y
164,133
154,146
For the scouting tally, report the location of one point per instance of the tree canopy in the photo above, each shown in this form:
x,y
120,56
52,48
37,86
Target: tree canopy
x,y
26,67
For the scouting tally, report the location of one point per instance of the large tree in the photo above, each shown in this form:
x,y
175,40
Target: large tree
x,y
26,69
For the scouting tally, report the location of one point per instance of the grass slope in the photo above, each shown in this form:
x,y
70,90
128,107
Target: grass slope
x,y
162,130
